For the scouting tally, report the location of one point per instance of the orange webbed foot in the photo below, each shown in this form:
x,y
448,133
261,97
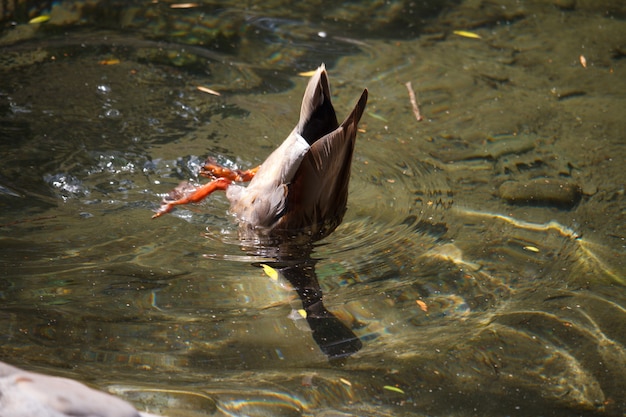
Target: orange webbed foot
x,y
186,193
213,170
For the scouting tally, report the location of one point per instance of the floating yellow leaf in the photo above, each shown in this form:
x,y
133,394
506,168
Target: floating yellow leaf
x,y
394,389
270,272
345,382
531,249
208,90
39,19
183,5
113,61
307,73
466,34
302,312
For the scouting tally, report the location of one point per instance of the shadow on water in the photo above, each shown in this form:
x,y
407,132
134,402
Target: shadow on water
x,y
334,338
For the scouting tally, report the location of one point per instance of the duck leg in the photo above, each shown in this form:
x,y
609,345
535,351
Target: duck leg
x,y
186,193
213,170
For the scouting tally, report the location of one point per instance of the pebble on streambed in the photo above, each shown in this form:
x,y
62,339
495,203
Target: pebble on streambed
x,y
553,192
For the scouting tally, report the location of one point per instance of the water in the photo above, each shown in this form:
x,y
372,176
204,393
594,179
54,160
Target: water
x,y
470,298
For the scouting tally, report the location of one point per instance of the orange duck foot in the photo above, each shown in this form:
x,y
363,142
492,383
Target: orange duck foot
x,y
213,170
186,193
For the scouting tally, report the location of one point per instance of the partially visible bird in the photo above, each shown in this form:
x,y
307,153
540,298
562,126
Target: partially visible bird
x,y
302,187
295,198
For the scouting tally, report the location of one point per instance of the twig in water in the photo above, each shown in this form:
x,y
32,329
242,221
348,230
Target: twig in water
x,y
416,109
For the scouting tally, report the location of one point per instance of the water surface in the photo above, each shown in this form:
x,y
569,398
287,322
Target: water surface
x,y
480,260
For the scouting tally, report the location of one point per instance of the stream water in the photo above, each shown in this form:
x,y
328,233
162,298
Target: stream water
x,y
481,258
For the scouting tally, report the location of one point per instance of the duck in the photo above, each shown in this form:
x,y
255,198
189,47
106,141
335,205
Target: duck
x,y
296,197
302,186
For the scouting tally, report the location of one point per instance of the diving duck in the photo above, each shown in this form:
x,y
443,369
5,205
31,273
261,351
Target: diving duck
x,y
302,187
294,198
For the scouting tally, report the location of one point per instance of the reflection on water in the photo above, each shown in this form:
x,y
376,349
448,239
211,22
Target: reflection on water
x,y
474,287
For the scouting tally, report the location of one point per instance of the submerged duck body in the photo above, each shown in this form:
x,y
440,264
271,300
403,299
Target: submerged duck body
x,y
302,187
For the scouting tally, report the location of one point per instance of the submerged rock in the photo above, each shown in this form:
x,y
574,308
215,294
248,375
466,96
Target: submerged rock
x,y
25,394
541,191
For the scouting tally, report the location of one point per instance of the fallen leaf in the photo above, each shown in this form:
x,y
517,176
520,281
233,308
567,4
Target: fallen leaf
x,y
467,34
113,61
394,389
39,19
183,5
345,382
208,90
270,272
